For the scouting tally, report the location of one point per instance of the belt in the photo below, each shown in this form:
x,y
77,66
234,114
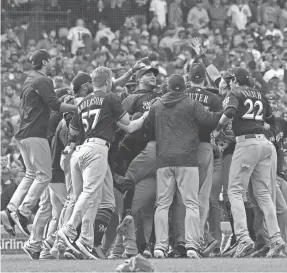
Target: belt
x,y
249,136
98,141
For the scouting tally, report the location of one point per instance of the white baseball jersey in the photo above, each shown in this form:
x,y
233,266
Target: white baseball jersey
x,y
76,36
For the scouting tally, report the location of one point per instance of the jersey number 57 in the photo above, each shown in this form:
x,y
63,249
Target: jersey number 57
x,y
90,119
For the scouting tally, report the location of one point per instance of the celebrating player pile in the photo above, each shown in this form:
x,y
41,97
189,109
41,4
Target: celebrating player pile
x,y
124,174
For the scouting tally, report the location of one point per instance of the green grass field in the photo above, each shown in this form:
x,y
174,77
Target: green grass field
x,y
21,263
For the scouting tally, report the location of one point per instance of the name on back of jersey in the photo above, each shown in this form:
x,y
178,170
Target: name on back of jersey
x,y
252,94
88,103
199,97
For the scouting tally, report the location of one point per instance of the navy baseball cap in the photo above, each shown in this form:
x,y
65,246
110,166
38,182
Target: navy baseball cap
x,y
197,73
39,56
80,79
145,70
241,75
176,83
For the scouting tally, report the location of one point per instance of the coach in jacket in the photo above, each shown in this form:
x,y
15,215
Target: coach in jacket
x,y
174,119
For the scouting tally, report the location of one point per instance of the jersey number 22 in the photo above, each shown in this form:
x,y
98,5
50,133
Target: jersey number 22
x,y
87,117
255,110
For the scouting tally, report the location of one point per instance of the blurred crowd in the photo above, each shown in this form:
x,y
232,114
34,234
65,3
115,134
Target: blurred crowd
x,y
116,33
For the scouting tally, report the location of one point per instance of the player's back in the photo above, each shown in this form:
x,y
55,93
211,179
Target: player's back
x,y
96,117
210,102
252,110
205,97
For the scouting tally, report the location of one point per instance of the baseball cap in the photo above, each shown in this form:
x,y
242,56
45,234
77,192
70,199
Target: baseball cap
x,y
80,79
176,83
241,75
145,70
40,55
197,73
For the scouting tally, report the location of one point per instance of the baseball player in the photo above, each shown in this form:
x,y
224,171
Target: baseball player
x,y
81,86
138,102
91,176
249,109
37,98
276,134
211,102
222,164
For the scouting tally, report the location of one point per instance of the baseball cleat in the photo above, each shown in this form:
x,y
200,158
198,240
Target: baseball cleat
x,y
99,252
128,256
123,227
48,244
171,251
147,253
89,252
230,250
260,252
216,253
54,252
180,248
209,248
21,221
230,243
192,254
117,249
7,222
46,255
34,255
159,254
276,248
69,254
60,248
69,242
114,256
244,248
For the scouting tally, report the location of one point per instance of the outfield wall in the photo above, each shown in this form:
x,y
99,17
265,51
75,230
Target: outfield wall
x,y
13,245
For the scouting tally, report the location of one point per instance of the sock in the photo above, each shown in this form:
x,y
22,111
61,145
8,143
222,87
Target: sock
x,y
102,221
230,217
129,191
128,200
78,232
152,239
250,220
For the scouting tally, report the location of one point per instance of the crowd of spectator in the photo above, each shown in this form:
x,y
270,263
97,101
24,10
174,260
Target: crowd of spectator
x,y
116,33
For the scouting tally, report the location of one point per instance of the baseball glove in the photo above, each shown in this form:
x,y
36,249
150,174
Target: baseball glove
x,y
136,264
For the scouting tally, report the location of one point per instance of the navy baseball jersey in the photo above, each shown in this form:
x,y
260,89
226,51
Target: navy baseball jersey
x,y
210,101
252,108
37,100
97,115
138,101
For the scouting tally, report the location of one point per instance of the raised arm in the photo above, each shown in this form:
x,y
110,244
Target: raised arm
x,y
125,78
211,70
